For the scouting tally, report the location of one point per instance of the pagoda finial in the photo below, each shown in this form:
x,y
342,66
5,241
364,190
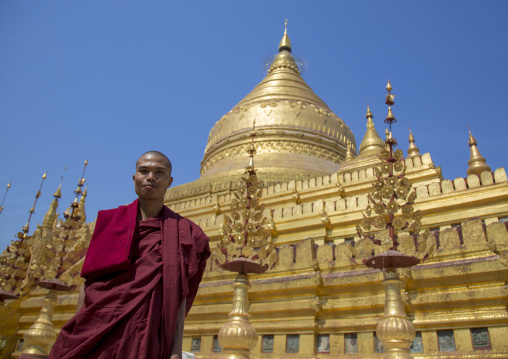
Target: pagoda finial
x,y
51,216
390,118
81,208
26,228
58,192
389,86
285,44
7,190
412,151
477,163
74,205
371,142
369,114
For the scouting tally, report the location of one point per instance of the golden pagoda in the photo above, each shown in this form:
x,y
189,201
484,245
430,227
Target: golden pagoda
x,y
318,301
298,136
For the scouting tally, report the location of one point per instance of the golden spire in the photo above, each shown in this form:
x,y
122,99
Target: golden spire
x,y
477,163
284,59
371,142
349,153
285,44
81,208
26,228
412,151
389,86
7,190
369,114
252,150
51,216
58,193
78,192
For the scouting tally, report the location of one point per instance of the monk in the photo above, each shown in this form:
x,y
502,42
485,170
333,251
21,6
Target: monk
x,y
142,270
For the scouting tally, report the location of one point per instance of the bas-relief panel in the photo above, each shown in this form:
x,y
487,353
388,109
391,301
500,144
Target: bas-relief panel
x,y
417,346
446,341
350,343
196,345
480,338
323,343
292,343
267,344
216,346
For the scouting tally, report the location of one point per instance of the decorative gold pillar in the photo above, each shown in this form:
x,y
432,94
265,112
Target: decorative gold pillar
x,y
41,335
389,211
395,330
237,337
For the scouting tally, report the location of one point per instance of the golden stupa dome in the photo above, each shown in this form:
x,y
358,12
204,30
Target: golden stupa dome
x,y
297,135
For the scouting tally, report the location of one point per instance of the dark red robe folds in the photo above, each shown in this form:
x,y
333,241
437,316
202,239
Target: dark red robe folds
x,y
132,312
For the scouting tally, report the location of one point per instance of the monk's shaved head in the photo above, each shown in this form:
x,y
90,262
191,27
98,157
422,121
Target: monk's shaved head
x,y
157,153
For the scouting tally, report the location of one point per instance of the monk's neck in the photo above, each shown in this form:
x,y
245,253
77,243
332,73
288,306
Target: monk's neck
x,y
149,209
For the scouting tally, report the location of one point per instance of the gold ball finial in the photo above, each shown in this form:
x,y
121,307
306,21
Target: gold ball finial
x,y
86,162
44,175
9,185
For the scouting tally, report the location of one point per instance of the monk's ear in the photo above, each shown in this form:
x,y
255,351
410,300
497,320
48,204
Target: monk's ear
x,y
170,181
133,177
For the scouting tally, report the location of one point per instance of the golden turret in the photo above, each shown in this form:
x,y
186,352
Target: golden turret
x,y
51,216
477,163
349,153
371,142
285,44
412,151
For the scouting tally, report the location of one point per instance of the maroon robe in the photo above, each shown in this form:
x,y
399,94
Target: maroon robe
x,y
132,298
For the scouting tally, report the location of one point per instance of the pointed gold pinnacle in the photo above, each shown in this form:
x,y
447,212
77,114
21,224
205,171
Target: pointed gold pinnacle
x,y
412,151
2,204
389,86
285,44
477,163
26,228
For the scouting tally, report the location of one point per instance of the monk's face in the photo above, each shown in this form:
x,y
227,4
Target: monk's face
x,y
152,177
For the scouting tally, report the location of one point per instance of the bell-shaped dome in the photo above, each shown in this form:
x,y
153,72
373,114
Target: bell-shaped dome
x,y
298,136
371,142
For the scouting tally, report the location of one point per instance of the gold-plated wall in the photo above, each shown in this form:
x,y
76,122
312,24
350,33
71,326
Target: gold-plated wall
x,y
315,289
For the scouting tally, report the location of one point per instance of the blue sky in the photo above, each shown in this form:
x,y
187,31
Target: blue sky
x,y
109,80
